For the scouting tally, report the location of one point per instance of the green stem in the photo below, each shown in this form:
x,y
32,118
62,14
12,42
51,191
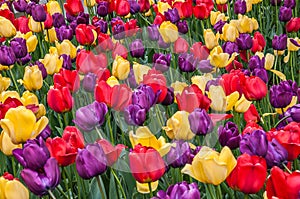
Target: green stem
x,y
150,188
14,80
13,164
61,191
119,183
219,192
100,187
286,168
246,196
284,118
108,118
65,181
51,194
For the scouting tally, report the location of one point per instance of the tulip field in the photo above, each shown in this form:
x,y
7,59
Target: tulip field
x,y
156,99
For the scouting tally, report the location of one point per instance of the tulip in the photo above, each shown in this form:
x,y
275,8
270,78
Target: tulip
x,y
121,68
135,115
200,122
251,115
14,121
58,20
295,112
279,42
285,14
172,15
293,25
259,42
87,61
230,47
60,99
33,79
67,78
52,63
161,62
73,7
211,167
85,34
19,47
187,63
6,145
153,33
53,7
122,8
230,33
254,88
91,161
7,29
201,11
27,156
118,31
38,13
278,179
276,155
169,99
229,135
182,27
168,31
7,56
240,7
280,95
290,4
211,40
137,48
89,82
11,187
220,59
20,5
179,154
112,153
146,164
144,96
199,51
249,174
40,183
244,42
102,8
255,143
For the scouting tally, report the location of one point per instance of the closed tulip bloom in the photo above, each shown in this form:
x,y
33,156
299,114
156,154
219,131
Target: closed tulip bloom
x,y
205,67
285,13
58,20
254,88
89,82
64,32
276,155
52,63
289,3
7,29
255,143
33,79
280,95
230,47
259,42
200,122
211,167
7,56
135,115
6,145
112,153
20,5
11,187
244,41
211,40
179,154
121,68
137,48
293,25
38,13
295,112
60,99
40,182
240,7
161,61
249,174
85,34
144,96
187,63
172,15
91,161
73,7
146,164
182,27
32,149
16,119
279,42
35,26
19,47
102,8
118,31
168,31
67,78
53,7
230,33
229,135
153,33
4,83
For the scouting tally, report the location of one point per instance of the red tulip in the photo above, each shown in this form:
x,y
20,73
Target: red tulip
x,y
201,11
7,14
222,7
254,88
185,9
259,42
208,3
120,50
122,7
112,153
234,65
146,164
49,22
103,74
131,27
251,115
181,46
157,81
7,104
159,19
67,78
64,149
144,5
87,61
21,24
120,97
191,98
293,25
249,174
103,92
85,34
73,7
283,185
104,42
250,127
232,81
60,99
199,51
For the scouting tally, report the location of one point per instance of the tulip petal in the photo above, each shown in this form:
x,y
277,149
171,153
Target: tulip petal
x,y
144,187
15,189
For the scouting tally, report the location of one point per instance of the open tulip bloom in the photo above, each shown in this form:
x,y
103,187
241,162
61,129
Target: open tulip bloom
x,y
149,99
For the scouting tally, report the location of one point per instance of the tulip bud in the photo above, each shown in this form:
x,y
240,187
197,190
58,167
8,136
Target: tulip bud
x,y
229,135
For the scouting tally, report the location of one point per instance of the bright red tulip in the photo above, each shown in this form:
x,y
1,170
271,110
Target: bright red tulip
x,y
249,175
103,92
120,97
67,78
283,185
120,50
208,3
21,24
201,11
87,61
146,164
104,42
122,7
234,65
251,115
60,99
259,42
159,19
199,51
293,25
254,88
49,21
222,7
181,46
185,9
64,149
73,7
7,14
85,34
232,82
144,5
112,153
131,27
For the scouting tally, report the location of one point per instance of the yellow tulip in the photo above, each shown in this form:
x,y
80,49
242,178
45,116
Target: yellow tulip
x,y
29,98
4,6
6,94
139,71
217,16
41,112
144,187
144,136
89,3
4,83
256,1
52,62
66,47
112,81
249,5
6,146
246,24
53,7
231,100
178,87
178,126
163,7
201,81
10,189
211,40
35,26
50,36
148,13
291,47
121,68
221,1
218,98
230,33
20,124
269,61
242,105
219,59
168,31
7,29
211,167
31,41
33,79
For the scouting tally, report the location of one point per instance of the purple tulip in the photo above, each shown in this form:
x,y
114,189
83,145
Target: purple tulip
x,y
172,15
135,115
90,116
38,13
285,14
290,3
169,99
118,31
280,95
131,79
83,18
45,133
64,32
276,154
256,62
58,20
187,62
19,47
295,112
134,6
102,8
179,154
229,135
162,44
244,41
24,60
279,42
200,122
89,82
204,66
91,161
215,82
67,63
161,61
42,68
182,26
7,56
144,96
137,48
30,7
32,149
240,7
102,25
153,33
219,26
261,73
230,47
255,143
39,182
20,5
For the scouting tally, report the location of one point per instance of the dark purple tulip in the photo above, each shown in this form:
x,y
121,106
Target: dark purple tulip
x,y
91,161
32,149
279,42
240,7
256,62
187,62
118,31
45,133
204,66
200,122
230,47
244,41
135,115
89,82
42,68
280,95
30,7
183,27
219,26
24,60
295,112
179,154
131,79
285,14
102,8
40,182
275,2
292,85
261,73
290,3
83,18
38,13
7,56
169,99
172,15
229,135
161,61
255,143
137,48
58,20
153,33
162,44
144,96
64,32
276,154
73,26
102,25
67,63
20,5
134,6
70,18
90,116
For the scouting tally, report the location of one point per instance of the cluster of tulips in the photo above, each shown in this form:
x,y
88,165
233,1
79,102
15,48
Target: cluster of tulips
x,y
141,99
